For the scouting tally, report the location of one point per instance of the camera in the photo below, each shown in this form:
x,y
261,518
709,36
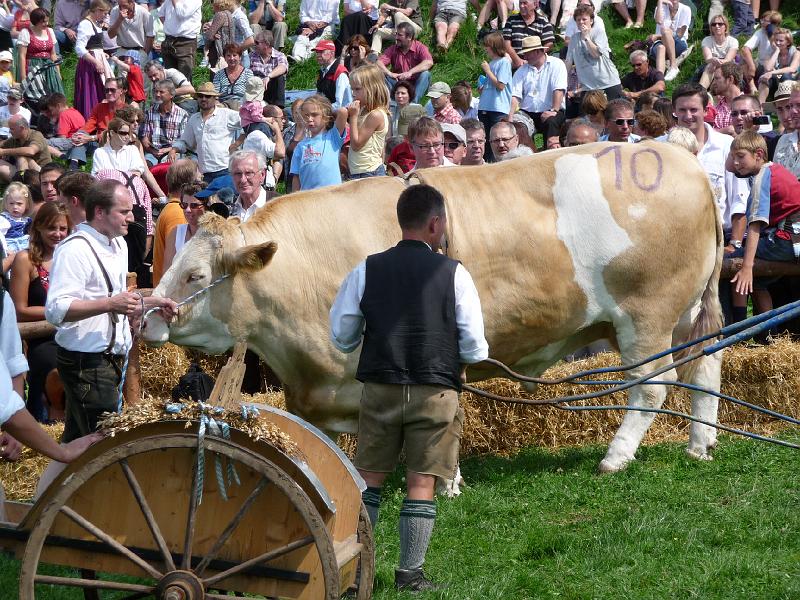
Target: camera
x,y
761,120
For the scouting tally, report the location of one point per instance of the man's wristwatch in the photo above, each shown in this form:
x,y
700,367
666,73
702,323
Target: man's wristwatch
x,y
736,244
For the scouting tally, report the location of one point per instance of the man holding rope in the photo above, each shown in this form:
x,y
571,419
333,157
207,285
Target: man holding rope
x,y
421,321
89,303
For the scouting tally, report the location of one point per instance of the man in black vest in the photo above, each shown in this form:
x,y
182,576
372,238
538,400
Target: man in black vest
x,y
332,81
420,317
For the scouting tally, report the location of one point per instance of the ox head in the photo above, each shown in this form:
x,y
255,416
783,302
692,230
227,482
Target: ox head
x,y
210,322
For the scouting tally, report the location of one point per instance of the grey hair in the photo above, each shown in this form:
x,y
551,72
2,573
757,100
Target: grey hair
x,y
166,84
21,119
245,154
638,54
520,150
507,125
153,63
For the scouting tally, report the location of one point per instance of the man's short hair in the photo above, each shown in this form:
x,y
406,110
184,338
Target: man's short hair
x,y
244,155
19,118
56,100
471,125
153,64
180,173
417,204
638,54
617,105
752,101
734,71
507,125
424,126
75,183
265,35
750,141
690,89
166,85
407,29
582,122
100,195
50,167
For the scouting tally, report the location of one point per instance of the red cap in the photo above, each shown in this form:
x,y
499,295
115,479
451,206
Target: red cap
x,y
325,45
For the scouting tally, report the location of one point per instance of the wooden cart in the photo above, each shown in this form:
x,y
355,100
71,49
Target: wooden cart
x,y
128,509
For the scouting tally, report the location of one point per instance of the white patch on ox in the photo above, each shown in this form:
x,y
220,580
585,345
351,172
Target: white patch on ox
x,y
637,211
586,226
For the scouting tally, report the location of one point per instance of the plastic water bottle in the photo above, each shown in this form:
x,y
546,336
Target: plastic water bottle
x,y
481,81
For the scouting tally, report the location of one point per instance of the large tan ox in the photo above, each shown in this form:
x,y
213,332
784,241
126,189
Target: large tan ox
x,y
617,241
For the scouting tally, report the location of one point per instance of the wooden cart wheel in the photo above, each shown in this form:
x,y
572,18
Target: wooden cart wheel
x,y
367,556
176,576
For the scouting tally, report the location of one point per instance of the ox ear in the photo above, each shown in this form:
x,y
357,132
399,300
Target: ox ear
x,y
250,258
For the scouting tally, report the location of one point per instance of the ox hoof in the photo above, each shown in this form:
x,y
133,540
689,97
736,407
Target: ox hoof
x,y
612,466
699,454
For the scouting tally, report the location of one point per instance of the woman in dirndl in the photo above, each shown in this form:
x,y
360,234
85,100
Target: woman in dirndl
x,y
37,47
93,67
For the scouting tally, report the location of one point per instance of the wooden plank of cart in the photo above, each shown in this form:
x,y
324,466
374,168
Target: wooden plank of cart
x,y
292,528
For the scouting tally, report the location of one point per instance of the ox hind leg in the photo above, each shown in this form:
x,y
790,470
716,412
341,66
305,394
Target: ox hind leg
x,y
706,373
635,424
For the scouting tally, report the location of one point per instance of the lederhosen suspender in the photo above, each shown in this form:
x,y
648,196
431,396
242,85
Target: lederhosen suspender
x,y
114,319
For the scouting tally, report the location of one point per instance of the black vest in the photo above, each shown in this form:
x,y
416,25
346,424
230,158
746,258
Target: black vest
x,y
326,80
409,305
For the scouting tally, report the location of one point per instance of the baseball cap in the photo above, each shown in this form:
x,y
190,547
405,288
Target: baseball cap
x,y
408,114
457,131
440,88
6,55
15,93
325,45
216,186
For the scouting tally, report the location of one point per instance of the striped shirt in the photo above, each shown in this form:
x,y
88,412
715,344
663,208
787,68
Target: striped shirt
x,y
164,129
517,29
261,67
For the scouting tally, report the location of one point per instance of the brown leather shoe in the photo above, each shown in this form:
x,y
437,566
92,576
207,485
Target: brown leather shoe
x,y
413,581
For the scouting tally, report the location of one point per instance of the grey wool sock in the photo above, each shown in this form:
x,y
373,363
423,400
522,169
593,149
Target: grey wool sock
x,y
371,497
416,527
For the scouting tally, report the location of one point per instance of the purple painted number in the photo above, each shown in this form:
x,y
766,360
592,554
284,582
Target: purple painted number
x,y
617,150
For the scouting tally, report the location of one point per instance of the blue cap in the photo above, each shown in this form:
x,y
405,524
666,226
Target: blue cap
x,y
225,182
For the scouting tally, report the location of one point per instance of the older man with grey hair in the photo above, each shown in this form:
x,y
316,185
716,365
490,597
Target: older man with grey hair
x,y
248,169
643,78
25,150
503,138
581,131
164,122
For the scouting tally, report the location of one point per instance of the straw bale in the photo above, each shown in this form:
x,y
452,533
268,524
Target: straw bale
x,y
19,478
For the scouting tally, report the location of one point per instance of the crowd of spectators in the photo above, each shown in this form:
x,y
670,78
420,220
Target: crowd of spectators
x,y
548,81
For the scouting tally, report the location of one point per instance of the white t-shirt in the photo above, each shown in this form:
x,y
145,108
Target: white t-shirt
x,y
720,50
683,18
5,115
126,159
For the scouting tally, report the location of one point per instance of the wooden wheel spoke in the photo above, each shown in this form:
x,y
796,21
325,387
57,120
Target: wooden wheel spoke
x,y
189,538
148,514
271,555
97,584
104,537
212,553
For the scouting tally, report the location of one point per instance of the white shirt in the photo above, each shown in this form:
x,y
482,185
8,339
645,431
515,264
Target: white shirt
x,y
75,275
730,192
534,87
347,320
132,32
10,343
759,42
86,29
319,10
683,18
210,139
10,402
125,159
241,25
5,115
787,153
182,19
237,210
355,7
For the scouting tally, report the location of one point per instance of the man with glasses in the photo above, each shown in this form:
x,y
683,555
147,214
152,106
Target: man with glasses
x,y
163,124
476,142
539,88
184,90
455,142
248,169
102,113
272,66
643,78
209,134
619,122
427,141
503,139
726,84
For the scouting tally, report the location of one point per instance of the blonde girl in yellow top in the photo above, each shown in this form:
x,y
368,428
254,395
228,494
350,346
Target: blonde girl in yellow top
x,y
368,117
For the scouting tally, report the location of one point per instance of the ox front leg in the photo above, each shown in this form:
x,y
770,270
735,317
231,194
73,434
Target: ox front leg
x,y
702,438
635,424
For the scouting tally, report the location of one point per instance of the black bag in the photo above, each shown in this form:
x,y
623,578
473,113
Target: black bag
x,y
195,385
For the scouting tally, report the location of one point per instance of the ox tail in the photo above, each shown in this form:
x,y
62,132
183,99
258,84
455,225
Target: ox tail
x,y
709,319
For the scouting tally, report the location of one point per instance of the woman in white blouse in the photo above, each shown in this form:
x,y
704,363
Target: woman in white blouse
x,y
93,67
117,154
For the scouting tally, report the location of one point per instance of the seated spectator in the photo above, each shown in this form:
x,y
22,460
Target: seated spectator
x,y
525,129
269,15
392,13
317,21
184,90
539,88
593,107
781,66
102,112
475,142
589,52
621,7
117,153
530,21
36,48
402,94
718,48
409,60
360,16
163,124
68,15
650,125
643,78
443,110
315,161
94,69
581,131
231,81
787,152
15,219
332,81
503,138
502,7
725,86
427,141
271,65
447,18
14,107
671,39
455,143
664,106
619,122
402,157
760,43
463,101
25,150
29,286
355,53
194,207
67,122
46,182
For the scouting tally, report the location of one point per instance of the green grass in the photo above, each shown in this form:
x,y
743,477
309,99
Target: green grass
x,y
544,525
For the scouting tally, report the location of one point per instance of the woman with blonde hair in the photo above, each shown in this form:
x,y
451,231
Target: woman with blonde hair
x,y
781,66
718,48
368,116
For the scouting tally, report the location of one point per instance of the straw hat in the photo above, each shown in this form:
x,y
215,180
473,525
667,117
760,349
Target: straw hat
x,y
206,89
530,43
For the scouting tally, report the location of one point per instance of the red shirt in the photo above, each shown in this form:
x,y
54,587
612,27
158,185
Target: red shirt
x,y
448,114
136,84
101,114
404,61
69,121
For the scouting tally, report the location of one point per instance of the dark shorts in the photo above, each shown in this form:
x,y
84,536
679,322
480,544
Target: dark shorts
x,y
424,420
770,247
